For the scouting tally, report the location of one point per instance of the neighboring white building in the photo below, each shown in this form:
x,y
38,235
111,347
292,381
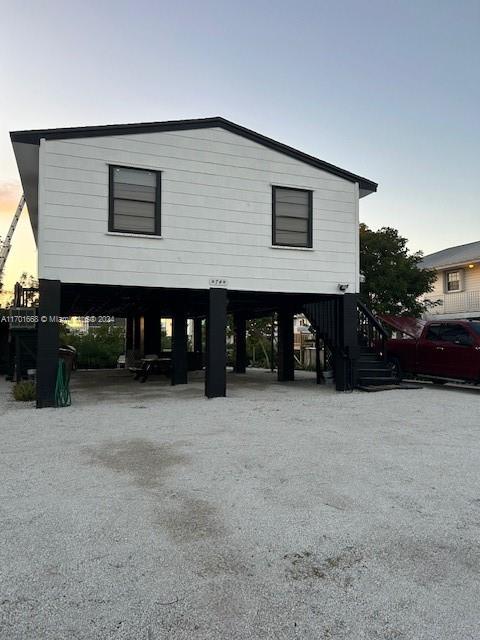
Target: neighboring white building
x,y
457,287
151,218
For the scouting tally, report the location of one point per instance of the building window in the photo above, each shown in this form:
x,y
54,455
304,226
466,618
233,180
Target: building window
x,y
134,200
292,217
453,280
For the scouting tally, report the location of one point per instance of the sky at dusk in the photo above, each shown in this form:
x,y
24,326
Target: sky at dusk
x,y
388,90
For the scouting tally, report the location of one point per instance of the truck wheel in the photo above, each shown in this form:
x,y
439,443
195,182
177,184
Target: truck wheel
x,y
396,369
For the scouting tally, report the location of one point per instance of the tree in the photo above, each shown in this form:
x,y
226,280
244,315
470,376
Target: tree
x,y
259,341
394,281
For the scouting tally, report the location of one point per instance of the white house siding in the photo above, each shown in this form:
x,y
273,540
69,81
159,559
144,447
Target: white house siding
x,y
464,302
216,215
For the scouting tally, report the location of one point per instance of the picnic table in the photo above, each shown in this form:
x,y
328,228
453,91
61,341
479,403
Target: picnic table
x,y
152,364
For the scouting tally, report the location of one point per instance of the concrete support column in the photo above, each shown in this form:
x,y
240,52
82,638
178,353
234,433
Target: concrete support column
x,y
179,347
286,360
152,334
240,330
47,341
216,365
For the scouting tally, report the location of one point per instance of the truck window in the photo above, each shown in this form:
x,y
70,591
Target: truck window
x,y
476,327
434,332
455,333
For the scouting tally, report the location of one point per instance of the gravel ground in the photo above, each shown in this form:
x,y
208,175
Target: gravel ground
x,y
285,511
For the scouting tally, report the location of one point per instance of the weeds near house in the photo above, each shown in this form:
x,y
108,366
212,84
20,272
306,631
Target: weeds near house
x,y
24,391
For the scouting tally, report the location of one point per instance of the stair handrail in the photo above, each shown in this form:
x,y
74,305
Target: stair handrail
x,y
371,329
376,323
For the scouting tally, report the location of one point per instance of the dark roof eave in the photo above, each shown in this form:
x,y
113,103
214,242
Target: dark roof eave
x,y
34,137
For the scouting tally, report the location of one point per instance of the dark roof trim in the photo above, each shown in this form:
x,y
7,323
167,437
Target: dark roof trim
x,y
34,137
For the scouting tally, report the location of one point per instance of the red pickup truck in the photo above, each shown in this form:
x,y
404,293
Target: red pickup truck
x,y
438,350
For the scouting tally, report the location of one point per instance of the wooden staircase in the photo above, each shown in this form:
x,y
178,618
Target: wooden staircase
x,y
363,359
373,370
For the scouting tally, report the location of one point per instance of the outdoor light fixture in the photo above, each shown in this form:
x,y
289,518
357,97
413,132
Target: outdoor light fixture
x,y
343,286
471,266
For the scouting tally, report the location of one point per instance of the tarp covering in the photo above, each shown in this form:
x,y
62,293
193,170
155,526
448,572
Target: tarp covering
x,y
413,327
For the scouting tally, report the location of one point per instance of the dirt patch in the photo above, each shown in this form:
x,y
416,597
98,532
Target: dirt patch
x,y
145,462
308,566
191,519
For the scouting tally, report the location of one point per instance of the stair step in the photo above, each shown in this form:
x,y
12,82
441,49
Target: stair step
x,y
375,371
374,364
372,380
388,387
371,361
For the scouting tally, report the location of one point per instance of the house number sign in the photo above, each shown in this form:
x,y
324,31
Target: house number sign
x,y
218,282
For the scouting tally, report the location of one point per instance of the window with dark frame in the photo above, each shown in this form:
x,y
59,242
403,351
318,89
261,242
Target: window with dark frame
x,y
291,217
453,281
134,200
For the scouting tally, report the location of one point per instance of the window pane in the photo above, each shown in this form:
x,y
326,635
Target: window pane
x,y
291,238
452,333
292,224
137,209
292,210
453,281
476,327
134,224
292,216
434,332
135,176
290,196
134,200
134,191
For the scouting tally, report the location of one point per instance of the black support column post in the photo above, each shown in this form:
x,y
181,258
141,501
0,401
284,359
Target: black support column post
x,y
152,334
129,334
240,329
179,347
47,341
346,356
318,366
137,331
216,365
286,360
197,343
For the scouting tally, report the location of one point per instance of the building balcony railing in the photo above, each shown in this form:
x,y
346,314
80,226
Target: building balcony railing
x,y
461,302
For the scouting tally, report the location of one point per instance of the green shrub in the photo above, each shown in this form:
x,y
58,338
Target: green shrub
x,y
97,349
24,391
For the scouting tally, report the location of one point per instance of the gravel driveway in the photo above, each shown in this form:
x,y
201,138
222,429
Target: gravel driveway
x,y
284,511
